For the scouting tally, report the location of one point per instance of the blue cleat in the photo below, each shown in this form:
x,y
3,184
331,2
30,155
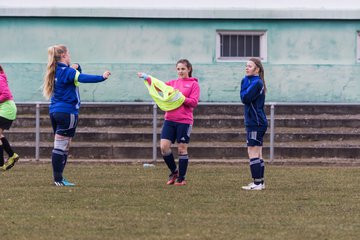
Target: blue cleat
x,y
64,183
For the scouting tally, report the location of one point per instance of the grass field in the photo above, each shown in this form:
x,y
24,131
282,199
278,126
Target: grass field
x,y
130,202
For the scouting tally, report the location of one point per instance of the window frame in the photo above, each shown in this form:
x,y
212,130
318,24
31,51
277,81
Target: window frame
x,y
263,44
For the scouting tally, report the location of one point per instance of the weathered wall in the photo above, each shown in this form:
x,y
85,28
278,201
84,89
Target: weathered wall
x,y
308,60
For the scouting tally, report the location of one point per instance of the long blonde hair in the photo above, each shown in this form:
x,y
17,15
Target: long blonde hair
x,y
54,55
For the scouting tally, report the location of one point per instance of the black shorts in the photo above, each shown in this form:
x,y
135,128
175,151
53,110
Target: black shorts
x,y
64,124
5,123
176,131
254,138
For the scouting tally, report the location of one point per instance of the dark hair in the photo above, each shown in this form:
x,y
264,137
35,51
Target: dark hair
x,y
258,64
188,65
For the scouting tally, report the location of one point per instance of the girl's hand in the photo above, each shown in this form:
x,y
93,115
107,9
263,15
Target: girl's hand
x,y
142,75
75,66
106,74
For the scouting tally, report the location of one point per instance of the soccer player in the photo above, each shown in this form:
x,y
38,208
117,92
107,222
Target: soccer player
x,y
7,116
178,122
252,94
61,85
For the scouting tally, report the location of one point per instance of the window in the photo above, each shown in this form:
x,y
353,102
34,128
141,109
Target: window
x,y
240,45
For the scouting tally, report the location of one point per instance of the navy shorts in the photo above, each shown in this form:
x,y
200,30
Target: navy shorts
x,y
254,138
64,124
5,123
174,130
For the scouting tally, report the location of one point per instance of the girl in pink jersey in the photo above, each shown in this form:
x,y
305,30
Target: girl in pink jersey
x,y
7,116
178,122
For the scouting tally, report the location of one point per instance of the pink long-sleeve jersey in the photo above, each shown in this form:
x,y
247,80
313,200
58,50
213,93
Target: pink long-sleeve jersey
x,y
189,87
5,93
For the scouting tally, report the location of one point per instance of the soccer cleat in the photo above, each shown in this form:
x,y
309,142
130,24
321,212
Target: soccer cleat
x,y
11,162
180,182
64,183
253,186
172,178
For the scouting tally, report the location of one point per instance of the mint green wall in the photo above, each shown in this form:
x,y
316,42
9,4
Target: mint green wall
x,y
308,60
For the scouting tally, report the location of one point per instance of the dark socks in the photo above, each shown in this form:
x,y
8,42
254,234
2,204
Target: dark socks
x,y
66,153
255,168
1,156
262,164
7,147
183,164
57,160
170,162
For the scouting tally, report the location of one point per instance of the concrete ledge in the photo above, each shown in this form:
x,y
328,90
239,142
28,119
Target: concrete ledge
x,y
320,162
227,13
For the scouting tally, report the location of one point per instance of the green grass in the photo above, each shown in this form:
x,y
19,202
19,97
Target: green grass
x,y
130,202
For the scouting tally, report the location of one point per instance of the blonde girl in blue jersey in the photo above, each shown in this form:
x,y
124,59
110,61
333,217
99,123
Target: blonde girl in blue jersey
x,y
61,86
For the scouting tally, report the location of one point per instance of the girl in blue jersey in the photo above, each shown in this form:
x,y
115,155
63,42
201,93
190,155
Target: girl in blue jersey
x,y
252,94
61,85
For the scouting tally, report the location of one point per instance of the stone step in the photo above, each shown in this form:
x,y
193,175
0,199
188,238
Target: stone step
x,y
316,109
216,150
211,121
91,108
339,162
202,109
114,134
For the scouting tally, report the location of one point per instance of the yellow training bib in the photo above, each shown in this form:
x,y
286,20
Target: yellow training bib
x,y
167,98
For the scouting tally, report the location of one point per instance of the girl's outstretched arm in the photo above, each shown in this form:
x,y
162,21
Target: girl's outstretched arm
x,y
87,78
147,78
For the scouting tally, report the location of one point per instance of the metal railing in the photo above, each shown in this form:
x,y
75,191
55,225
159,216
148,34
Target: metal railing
x,y
154,126
272,117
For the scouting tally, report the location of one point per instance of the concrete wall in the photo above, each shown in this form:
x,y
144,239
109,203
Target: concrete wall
x,y
308,60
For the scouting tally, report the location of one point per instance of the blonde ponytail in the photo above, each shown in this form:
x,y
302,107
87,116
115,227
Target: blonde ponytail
x,y
54,54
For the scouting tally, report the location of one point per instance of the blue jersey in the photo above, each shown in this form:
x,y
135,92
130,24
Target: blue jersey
x,y
66,97
252,94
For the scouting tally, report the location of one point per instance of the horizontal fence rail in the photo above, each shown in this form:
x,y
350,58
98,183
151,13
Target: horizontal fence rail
x,y
272,106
